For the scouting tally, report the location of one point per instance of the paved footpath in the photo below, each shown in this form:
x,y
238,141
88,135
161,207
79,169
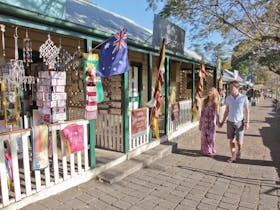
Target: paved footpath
x,y
186,180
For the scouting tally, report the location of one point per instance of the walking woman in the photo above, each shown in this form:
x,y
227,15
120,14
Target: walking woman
x,y
208,121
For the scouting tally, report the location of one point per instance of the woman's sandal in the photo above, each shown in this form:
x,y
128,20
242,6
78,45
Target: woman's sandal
x,y
238,156
231,160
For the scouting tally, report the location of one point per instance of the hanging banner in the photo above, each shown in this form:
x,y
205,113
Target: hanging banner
x,y
90,66
139,122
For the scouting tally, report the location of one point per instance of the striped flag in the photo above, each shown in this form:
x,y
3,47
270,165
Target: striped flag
x,y
156,98
199,90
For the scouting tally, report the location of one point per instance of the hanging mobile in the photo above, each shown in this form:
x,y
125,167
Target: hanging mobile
x,y
49,52
3,55
64,57
27,50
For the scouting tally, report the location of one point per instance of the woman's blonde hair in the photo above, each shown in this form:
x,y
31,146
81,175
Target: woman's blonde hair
x,y
216,99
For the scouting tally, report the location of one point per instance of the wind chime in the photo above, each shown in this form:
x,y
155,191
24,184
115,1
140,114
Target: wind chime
x,y
13,80
27,50
3,55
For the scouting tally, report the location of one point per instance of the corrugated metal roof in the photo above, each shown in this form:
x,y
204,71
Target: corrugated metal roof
x,y
88,14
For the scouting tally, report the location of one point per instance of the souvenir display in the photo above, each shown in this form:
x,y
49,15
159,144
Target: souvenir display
x,y
10,104
75,81
112,102
40,155
90,66
27,50
51,96
49,52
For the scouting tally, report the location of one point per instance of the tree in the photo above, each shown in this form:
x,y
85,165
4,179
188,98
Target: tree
x,y
255,22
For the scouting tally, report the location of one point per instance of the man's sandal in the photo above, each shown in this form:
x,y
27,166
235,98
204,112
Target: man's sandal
x,y
231,160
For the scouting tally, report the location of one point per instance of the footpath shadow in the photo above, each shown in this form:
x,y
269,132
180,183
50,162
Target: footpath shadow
x,y
271,138
196,153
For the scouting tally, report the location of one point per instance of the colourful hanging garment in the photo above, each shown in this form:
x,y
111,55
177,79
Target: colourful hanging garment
x,y
9,170
40,147
74,136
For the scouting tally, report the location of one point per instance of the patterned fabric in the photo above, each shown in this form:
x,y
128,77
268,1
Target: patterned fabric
x,y
40,147
208,130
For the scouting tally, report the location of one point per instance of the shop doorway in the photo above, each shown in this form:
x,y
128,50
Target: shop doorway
x,y
135,86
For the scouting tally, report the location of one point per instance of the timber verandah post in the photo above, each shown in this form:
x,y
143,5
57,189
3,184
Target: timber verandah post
x,y
125,101
88,47
193,83
167,90
150,83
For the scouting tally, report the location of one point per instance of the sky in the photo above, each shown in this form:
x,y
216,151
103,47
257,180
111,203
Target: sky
x,y
132,9
137,11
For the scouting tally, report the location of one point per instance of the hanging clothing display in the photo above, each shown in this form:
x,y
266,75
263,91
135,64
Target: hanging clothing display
x,y
74,137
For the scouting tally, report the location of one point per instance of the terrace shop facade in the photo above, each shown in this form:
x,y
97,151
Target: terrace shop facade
x,y
64,24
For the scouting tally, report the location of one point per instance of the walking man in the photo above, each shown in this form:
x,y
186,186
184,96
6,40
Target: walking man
x,y
236,104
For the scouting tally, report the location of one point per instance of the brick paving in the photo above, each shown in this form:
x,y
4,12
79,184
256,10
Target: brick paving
x,y
186,180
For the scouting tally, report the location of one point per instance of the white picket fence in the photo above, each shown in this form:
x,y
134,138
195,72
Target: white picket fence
x,y
185,116
136,141
28,182
109,132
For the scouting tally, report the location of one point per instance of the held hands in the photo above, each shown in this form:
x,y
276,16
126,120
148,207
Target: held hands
x,y
246,125
220,124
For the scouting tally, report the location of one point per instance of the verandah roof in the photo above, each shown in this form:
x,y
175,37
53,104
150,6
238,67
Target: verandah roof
x,y
87,14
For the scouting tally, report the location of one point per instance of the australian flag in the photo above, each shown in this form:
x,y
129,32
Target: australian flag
x,y
113,58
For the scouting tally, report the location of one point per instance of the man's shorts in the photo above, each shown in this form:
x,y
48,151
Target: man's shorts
x,y
235,130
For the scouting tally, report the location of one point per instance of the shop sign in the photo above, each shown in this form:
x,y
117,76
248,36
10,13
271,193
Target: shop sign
x,y
139,122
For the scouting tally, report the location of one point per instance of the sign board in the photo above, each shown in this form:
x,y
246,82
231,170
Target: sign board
x,y
174,35
139,122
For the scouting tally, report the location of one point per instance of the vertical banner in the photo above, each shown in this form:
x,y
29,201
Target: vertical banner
x,y
199,90
156,98
90,67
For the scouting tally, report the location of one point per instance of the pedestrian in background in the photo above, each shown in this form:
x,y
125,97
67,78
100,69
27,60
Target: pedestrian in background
x,y
236,103
208,121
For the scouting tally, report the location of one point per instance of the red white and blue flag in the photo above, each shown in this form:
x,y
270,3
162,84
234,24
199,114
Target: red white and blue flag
x,y
113,57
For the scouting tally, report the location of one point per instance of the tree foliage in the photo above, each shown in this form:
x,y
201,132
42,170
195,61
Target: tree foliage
x,y
254,23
